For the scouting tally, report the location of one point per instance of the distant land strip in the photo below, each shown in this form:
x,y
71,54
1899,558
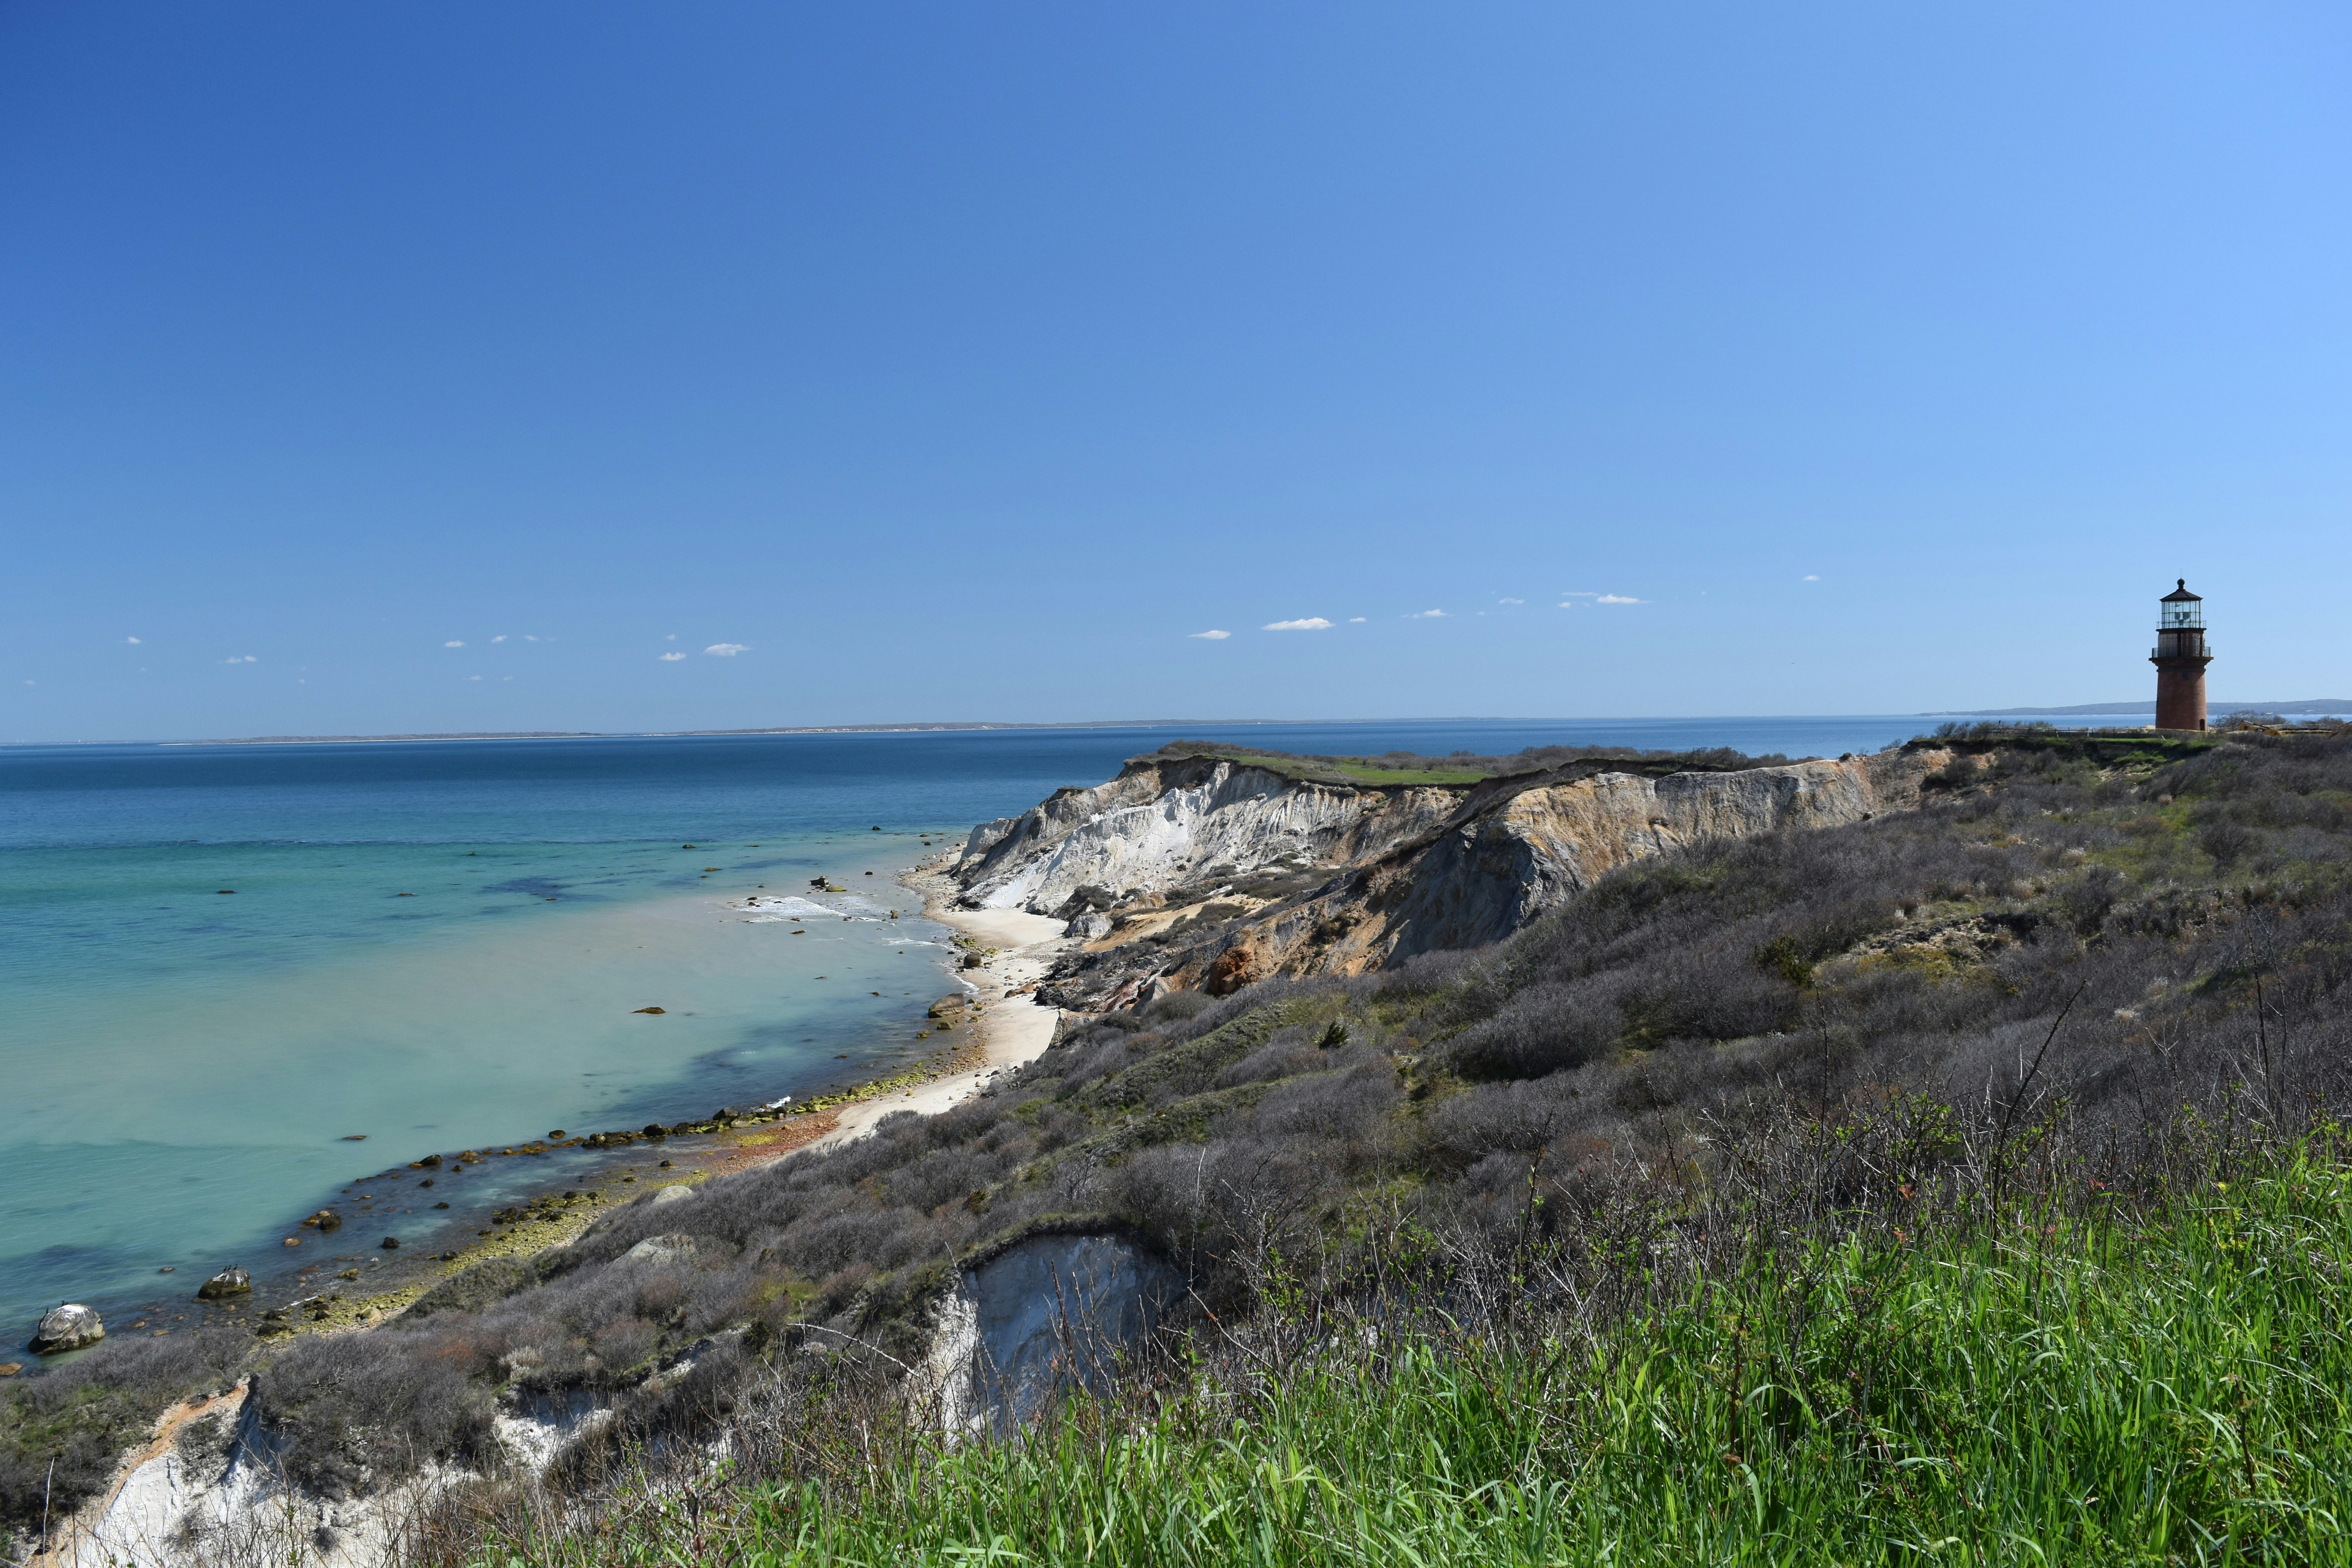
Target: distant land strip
x,y
775,729
2308,705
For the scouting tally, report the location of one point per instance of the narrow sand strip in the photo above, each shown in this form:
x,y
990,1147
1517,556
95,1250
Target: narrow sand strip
x,y
1014,1030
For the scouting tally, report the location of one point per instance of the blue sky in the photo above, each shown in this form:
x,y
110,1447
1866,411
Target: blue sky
x,y
461,367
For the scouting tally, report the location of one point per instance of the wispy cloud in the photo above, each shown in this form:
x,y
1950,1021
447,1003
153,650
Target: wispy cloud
x,y
453,643
473,677
1212,636
527,638
501,637
1426,615
1309,624
1510,601
727,650
669,658
1355,620
132,640
1618,599
240,658
1812,577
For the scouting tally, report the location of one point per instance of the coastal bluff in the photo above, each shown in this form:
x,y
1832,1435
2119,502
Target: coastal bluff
x,y
1207,872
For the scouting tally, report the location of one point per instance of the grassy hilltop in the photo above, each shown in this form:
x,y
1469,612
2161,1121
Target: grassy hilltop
x,y
1961,1185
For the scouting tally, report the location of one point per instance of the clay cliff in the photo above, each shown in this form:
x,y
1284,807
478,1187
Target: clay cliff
x,y
1209,872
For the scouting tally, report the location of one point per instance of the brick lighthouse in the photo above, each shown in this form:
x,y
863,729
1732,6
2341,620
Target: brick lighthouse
x,y
2180,656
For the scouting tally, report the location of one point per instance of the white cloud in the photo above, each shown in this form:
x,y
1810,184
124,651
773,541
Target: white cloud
x,y
1310,624
130,639
453,643
1426,615
672,638
1211,635
1618,599
1812,577
728,649
32,683
1510,601
501,637
1355,620
240,658
527,638
669,658
473,677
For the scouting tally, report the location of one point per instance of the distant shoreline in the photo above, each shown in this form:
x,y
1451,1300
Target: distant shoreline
x,y
906,729
2306,706
2083,709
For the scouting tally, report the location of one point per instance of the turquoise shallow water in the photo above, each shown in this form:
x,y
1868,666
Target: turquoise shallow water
x,y
180,1067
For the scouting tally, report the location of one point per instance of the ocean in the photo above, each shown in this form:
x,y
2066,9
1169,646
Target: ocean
x,y
234,978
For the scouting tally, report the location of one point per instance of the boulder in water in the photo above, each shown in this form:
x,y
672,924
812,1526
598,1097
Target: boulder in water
x,y
67,1328
226,1283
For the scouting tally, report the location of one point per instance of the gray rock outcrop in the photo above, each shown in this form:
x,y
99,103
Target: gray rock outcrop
x,y
69,1327
673,1248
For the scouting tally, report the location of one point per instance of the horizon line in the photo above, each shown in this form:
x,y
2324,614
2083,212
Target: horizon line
x,y
2307,705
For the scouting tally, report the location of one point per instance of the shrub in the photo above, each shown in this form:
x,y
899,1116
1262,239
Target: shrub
x,y
374,1406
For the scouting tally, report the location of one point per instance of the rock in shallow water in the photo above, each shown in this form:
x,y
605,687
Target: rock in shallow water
x,y
228,1282
67,1328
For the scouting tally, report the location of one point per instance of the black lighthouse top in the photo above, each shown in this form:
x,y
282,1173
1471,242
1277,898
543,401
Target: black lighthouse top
x,y
2181,608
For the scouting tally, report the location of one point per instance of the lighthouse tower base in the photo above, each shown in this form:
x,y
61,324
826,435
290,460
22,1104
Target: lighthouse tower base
x,y
2180,695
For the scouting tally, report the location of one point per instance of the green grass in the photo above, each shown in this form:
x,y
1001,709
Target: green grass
x,y
2169,1390
1370,775
1345,769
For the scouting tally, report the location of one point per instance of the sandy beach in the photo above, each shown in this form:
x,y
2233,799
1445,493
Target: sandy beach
x,y
1017,948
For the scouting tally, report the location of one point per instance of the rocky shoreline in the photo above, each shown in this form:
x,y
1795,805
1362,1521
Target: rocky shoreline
x,y
977,1040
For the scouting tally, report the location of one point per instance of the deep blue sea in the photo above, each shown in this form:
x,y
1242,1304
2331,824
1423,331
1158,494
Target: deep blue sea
x,y
443,944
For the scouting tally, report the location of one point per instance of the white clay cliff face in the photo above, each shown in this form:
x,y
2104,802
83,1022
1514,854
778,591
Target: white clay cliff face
x,y
1137,835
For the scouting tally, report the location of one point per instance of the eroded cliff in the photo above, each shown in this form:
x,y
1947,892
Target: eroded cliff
x,y
1212,871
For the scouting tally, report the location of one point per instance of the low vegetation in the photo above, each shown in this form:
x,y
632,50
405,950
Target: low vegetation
x,y
1959,1183
2076,1383
62,1431
1456,768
